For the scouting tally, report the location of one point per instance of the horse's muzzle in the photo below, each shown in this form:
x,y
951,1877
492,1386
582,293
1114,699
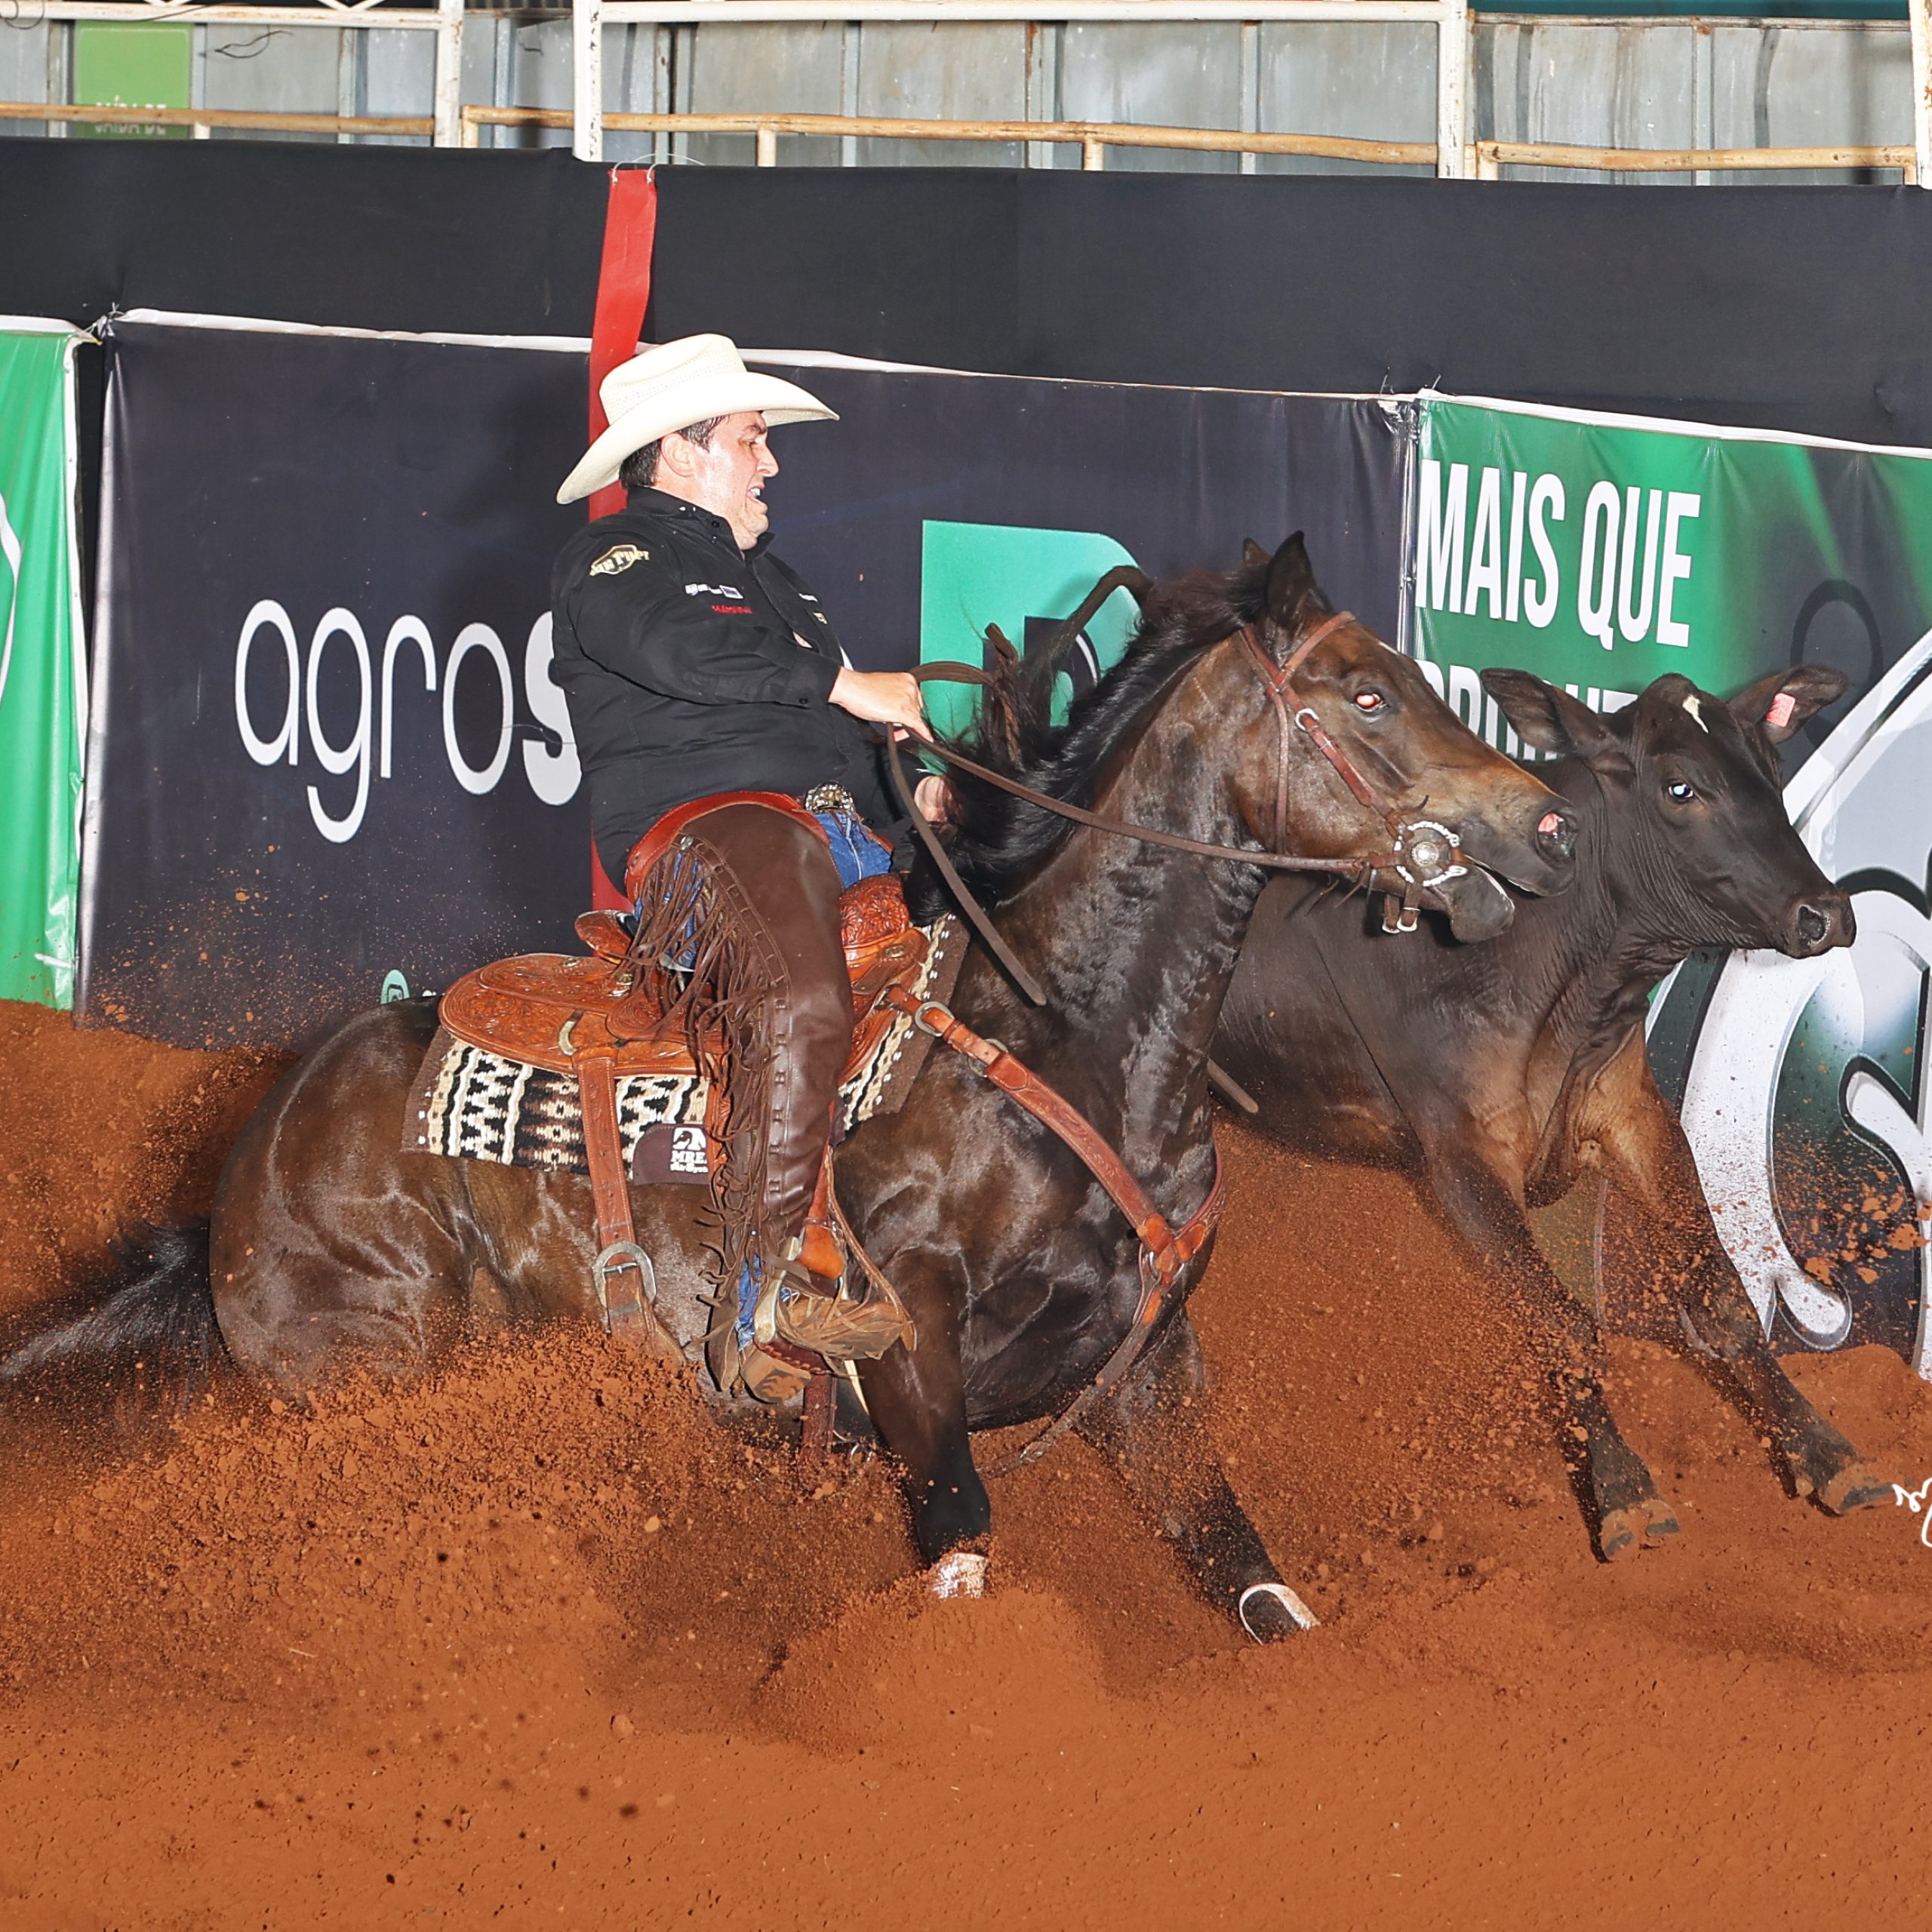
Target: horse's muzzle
x,y
1556,836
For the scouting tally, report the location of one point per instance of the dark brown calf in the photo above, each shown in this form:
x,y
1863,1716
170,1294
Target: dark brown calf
x,y
1499,1072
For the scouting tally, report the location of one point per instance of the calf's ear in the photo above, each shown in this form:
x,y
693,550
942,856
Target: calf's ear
x,y
1786,700
1252,554
1550,719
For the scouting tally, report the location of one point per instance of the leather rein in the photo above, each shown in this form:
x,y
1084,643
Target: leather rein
x,y
1166,1252
1422,852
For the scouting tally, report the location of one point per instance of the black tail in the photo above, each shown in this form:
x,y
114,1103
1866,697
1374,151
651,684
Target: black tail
x,y
137,1344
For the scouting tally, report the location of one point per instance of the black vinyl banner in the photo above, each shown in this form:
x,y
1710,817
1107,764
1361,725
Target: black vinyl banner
x,y
328,764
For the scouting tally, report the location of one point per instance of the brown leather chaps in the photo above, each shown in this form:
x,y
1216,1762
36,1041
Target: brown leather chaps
x,y
785,888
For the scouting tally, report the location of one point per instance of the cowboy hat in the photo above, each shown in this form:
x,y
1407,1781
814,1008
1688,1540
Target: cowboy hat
x,y
671,387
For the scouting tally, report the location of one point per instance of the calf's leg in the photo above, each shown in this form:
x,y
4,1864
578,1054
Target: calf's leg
x,y
1645,1154
1617,1490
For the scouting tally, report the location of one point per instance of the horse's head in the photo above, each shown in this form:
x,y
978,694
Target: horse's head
x,y
1360,758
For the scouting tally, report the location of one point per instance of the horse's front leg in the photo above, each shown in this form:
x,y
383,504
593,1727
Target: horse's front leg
x,y
917,1401
1152,1427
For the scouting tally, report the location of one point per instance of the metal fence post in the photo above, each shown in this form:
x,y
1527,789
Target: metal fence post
x,y
587,79
1452,89
448,109
1921,87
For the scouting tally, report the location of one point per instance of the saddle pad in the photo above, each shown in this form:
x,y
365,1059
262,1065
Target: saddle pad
x,y
477,1105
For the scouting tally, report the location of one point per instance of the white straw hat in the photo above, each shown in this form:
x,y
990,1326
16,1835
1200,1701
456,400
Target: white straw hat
x,y
671,387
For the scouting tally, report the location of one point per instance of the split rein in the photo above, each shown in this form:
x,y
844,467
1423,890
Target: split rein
x,y
1166,1252
1431,848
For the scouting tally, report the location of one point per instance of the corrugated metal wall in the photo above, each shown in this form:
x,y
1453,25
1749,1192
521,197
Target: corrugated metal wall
x,y
1630,84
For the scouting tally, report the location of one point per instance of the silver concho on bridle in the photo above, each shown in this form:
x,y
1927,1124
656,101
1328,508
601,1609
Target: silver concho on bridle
x,y
1435,853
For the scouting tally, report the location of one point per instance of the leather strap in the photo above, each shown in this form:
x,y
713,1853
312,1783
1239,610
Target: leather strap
x,y
1165,1250
1147,835
620,1264
962,894
1169,1250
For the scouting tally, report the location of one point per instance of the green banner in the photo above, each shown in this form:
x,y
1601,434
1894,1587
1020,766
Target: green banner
x,y
1600,554
42,697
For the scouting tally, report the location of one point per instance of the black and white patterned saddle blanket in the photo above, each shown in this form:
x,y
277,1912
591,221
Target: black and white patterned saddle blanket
x,y
478,1105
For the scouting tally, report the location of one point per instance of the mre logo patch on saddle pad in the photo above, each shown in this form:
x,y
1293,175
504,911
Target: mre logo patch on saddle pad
x,y
478,1106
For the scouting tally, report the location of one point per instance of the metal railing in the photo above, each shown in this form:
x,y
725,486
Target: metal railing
x,y
1492,157
1092,137
203,120
1449,18
1453,154
444,20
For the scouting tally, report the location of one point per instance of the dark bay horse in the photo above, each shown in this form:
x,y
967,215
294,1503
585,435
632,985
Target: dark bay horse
x,y
330,1249
1495,1074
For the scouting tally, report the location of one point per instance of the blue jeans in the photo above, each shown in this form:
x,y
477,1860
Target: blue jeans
x,y
855,851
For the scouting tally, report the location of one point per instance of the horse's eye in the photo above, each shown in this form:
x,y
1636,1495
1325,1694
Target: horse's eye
x,y
1370,701
1680,792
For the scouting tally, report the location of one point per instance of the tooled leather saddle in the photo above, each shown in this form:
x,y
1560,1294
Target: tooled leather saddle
x,y
596,1017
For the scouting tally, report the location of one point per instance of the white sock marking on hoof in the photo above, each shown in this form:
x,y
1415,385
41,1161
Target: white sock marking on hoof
x,y
1304,1619
962,1573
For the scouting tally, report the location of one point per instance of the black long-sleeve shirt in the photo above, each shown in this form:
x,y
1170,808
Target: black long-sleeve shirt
x,y
692,667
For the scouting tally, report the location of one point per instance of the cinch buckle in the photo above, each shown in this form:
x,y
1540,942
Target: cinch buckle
x,y
615,1260
925,1026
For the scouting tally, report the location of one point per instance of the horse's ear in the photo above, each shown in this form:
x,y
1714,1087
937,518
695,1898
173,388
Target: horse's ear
x,y
1293,596
1252,554
1550,719
1786,700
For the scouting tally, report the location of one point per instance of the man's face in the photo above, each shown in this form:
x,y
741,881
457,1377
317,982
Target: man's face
x,y
728,474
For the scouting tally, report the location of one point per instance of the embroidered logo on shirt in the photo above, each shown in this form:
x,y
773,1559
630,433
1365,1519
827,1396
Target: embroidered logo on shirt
x,y
730,590
618,557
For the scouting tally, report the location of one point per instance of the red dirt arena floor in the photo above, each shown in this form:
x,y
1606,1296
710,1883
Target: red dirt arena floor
x,y
536,1646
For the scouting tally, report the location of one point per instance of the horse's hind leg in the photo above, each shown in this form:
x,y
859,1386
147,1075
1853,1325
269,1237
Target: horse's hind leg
x,y
1153,1428
330,1250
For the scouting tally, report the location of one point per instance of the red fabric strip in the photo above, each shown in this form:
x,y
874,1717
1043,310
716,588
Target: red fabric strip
x,y
605,897
623,293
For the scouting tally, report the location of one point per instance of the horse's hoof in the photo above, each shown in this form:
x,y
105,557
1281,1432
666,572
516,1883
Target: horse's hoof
x,y
960,1573
1269,1612
1642,1525
1852,1488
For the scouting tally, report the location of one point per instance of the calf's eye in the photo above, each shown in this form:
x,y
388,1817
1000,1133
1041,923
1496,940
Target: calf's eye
x,y
1681,792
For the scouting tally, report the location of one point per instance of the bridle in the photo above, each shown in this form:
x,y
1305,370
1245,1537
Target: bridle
x,y
1422,852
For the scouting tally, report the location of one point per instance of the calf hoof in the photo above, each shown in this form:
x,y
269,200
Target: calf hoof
x,y
1269,1612
1640,1525
1852,1488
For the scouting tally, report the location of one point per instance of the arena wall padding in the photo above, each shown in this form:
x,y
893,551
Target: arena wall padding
x,y
1803,309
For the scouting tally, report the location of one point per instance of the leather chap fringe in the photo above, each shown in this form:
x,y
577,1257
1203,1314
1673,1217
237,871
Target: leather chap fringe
x,y
710,964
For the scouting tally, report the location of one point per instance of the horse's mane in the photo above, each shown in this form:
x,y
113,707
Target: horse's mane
x,y
999,841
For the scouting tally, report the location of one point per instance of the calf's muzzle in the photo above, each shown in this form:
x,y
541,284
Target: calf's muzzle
x,y
1816,924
